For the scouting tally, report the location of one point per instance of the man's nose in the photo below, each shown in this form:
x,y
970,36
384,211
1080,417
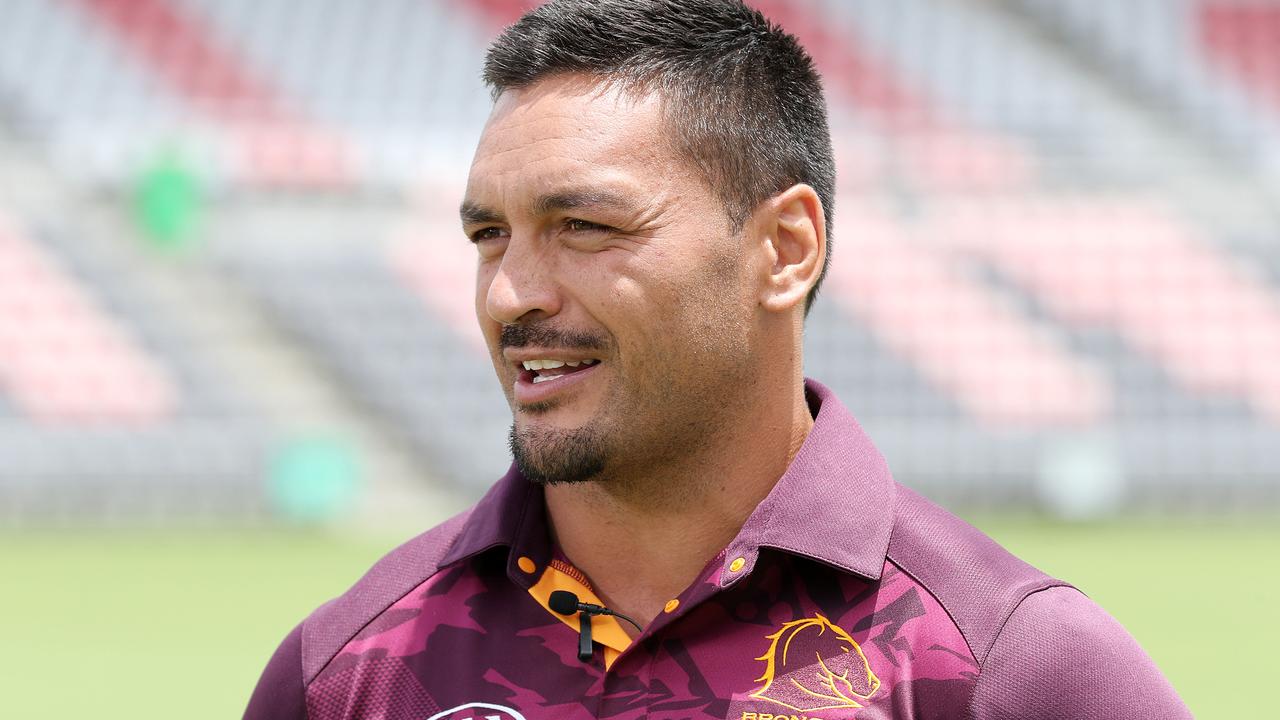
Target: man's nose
x,y
524,285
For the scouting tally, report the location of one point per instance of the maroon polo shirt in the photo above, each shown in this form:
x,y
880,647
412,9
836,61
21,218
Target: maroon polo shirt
x,y
845,595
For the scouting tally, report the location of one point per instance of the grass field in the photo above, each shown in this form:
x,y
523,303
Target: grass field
x,y
161,624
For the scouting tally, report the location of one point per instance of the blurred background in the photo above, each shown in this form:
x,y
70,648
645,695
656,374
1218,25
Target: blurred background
x,y
238,358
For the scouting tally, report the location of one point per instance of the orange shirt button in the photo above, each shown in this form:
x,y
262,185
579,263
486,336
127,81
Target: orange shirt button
x,y
737,564
526,564
671,605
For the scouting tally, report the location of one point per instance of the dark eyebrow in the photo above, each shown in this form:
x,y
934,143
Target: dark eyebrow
x,y
577,199
473,214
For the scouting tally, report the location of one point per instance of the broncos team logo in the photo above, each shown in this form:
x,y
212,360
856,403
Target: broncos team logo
x,y
814,665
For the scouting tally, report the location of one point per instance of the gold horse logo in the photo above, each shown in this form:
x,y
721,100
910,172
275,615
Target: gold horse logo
x,y
814,665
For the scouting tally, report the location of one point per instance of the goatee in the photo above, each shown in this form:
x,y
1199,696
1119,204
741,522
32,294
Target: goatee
x,y
555,457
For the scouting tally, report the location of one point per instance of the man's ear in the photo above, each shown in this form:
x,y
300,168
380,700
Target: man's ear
x,y
793,234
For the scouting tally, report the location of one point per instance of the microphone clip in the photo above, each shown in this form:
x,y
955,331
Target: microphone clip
x,y
567,603
585,649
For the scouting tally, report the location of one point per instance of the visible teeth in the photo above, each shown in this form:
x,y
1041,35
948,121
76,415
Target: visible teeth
x,y
546,378
553,364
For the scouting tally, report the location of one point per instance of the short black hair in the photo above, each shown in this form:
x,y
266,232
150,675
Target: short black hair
x,y
741,94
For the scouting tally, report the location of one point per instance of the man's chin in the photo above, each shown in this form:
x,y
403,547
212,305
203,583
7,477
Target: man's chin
x,y
550,455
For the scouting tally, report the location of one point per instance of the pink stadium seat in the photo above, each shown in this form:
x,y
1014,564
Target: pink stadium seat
x,y
501,13
438,264
859,76
1131,265
1243,40
63,360
274,144
997,363
936,151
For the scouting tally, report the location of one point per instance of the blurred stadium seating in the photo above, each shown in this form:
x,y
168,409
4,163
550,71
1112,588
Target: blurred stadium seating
x,y
1056,279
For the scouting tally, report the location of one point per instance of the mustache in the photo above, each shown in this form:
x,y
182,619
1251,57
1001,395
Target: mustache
x,y
544,335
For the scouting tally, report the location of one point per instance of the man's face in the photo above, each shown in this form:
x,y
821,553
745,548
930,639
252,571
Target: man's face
x,y
610,287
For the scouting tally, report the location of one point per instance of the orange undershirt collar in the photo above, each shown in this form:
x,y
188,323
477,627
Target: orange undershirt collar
x,y
605,629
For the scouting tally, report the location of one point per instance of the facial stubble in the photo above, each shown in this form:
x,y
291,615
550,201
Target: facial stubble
x,y
659,422
552,456
549,456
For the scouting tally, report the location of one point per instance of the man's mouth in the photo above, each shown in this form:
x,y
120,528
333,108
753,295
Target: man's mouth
x,y
550,369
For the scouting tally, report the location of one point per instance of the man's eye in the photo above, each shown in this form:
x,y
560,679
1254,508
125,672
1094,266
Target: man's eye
x,y
489,233
574,225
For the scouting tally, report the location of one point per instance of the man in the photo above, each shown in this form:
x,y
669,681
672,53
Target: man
x,y
650,204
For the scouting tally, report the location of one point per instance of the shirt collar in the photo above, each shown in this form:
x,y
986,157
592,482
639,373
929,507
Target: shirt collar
x,y
512,514
834,504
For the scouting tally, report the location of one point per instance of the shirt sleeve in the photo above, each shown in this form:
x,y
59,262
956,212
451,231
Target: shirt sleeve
x,y
280,694
1061,657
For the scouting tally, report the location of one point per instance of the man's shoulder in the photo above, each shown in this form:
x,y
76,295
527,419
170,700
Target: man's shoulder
x,y
397,573
976,581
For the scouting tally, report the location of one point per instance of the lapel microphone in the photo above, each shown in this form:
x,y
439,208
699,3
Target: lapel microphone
x,y
566,602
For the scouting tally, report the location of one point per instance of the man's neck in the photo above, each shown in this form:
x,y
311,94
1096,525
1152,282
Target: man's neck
x,y
642,542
